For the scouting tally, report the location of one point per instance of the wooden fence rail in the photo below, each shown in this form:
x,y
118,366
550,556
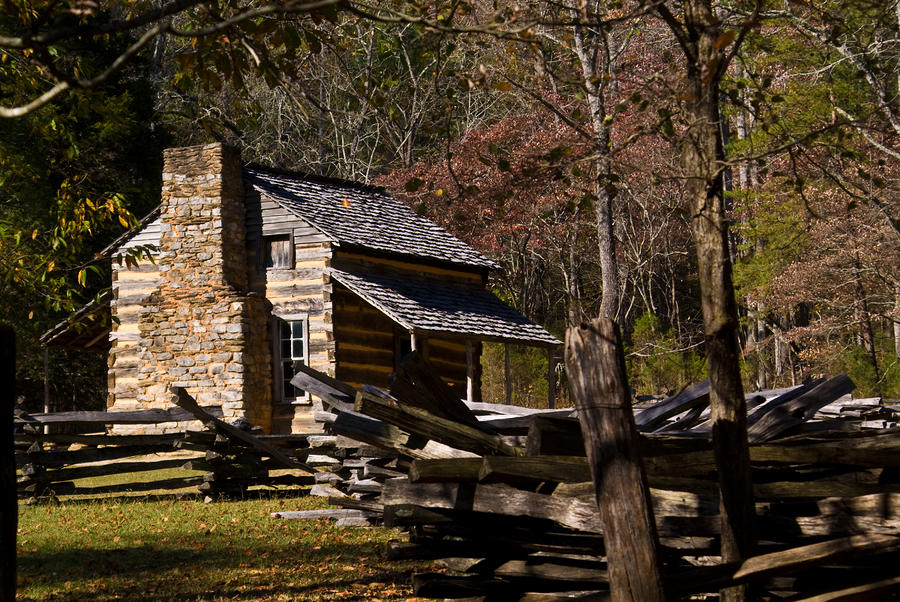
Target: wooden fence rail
x,y
225,459
508,506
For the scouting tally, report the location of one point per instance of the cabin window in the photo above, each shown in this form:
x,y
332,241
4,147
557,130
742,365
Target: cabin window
x,y
292,345
278,252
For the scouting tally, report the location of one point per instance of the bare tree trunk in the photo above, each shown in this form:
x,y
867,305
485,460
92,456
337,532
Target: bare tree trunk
x,y
866,336
779,354
700,34
897,317
609,265
592,49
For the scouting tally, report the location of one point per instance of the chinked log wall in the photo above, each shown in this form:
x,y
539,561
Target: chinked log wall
x,y
303,291
367,351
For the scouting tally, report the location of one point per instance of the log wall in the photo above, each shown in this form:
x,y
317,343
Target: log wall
x,y
367,346
303,291
131,286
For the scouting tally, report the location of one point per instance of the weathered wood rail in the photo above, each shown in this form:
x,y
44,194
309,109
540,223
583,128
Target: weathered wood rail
x,y
507,503
227,460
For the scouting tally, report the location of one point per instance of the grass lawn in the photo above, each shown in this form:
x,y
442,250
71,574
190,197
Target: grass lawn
x,y
165,549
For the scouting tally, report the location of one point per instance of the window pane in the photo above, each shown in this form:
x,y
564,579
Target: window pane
x,y
287,369
289,348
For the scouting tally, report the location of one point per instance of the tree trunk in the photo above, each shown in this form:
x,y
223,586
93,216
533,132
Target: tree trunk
x,y
897,321
865,337
609,265
593,55
703,163
599,386
9,516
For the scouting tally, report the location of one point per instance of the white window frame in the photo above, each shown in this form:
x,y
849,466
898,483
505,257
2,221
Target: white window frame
x,y
278,358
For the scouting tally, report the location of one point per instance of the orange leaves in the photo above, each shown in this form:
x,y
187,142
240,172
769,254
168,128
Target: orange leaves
x,y
725,39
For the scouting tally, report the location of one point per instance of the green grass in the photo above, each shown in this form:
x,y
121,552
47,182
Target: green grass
x,y
166,549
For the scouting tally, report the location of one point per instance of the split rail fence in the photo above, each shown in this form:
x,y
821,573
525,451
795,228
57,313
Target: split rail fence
x,y
226,460
504,497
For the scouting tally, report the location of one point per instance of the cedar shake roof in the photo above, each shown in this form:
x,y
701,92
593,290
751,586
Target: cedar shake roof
x,y
430,308
363,216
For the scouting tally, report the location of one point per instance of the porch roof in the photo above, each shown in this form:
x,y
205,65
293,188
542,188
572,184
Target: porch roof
x,y
87,329
429,308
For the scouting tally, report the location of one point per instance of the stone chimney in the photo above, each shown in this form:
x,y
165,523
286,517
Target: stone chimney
x,y
200,329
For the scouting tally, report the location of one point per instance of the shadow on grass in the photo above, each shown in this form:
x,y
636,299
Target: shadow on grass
x,y
94,497
150,572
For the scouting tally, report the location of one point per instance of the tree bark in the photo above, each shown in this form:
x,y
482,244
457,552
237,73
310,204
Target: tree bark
x,y
596,370
866,337
9,517
592,49
897,321
703,163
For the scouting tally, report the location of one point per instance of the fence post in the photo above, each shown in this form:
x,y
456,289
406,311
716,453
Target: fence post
x,y
596,368
9,517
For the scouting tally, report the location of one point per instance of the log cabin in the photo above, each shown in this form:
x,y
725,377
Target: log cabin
x,y
248,270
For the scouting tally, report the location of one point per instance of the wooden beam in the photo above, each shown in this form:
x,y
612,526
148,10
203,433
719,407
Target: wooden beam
x,y
596,368
9,511
792,412
81,472
333,392
781,563
186,402
132,417
868,591
493,499
525,469
651,418
420,422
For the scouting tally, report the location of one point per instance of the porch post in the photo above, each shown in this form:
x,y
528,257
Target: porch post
x,y
413,344
470,371
46,428
46,380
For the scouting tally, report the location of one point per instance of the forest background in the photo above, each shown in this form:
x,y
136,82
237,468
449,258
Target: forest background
x,y
548,135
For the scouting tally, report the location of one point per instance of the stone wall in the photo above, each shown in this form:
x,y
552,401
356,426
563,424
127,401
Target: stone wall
x,y
201,329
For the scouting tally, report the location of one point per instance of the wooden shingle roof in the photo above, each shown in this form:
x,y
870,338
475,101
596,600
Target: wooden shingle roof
x,y
430,308
364,216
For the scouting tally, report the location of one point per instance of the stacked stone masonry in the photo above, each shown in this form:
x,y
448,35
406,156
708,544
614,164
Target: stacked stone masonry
x,y
200,329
